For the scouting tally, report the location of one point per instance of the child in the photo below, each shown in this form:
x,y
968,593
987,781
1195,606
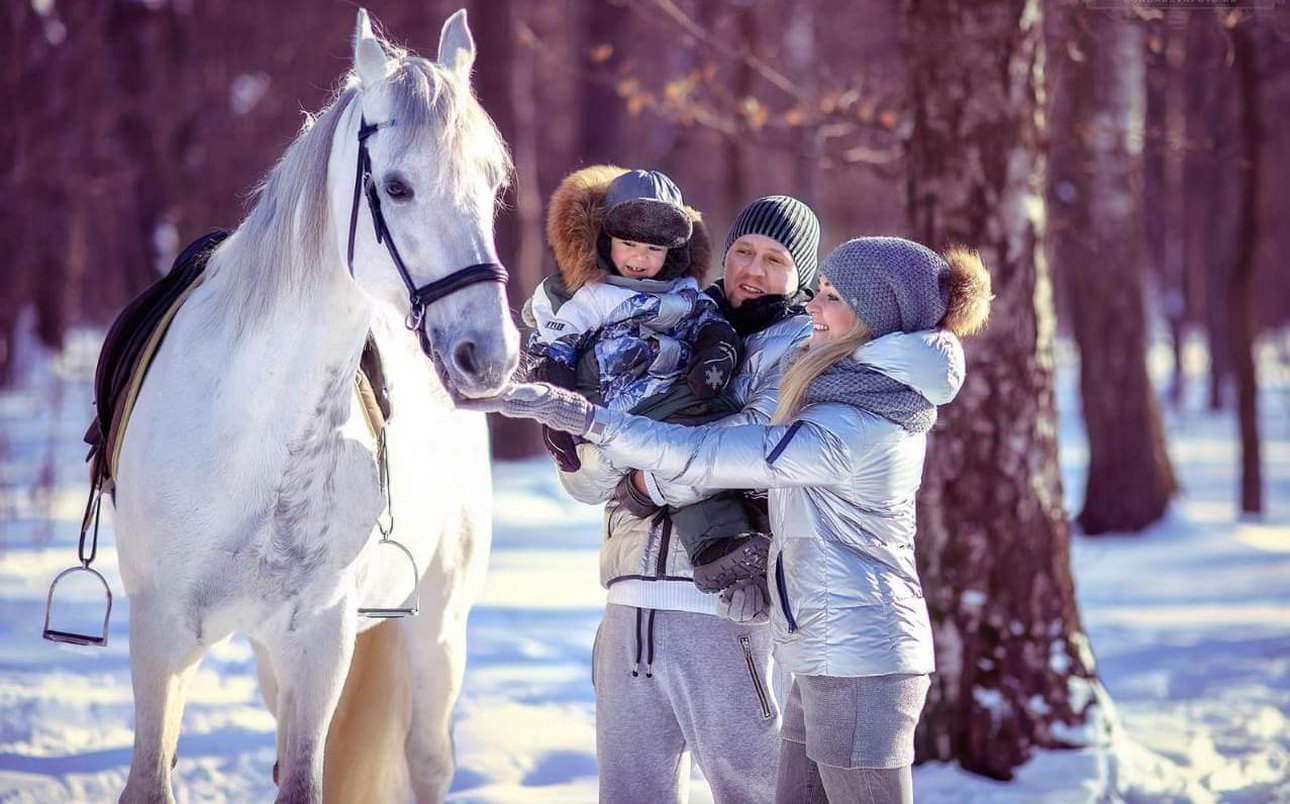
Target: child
x,y
626,325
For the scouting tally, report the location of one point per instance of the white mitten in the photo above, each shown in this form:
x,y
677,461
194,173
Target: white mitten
x,y
544,403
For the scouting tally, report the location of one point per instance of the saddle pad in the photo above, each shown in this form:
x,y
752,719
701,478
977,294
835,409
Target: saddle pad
x,y
131,342
137,333
369,383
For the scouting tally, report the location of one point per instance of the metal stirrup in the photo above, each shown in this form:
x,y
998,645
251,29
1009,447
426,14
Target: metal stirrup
x,y
387,527
92,508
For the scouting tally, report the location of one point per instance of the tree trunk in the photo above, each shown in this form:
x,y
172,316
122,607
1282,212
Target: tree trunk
x,y
1241,289
1173,269
1099,96
803,59
1163,186
1213,189
504,82
1013,668
600,134
736,175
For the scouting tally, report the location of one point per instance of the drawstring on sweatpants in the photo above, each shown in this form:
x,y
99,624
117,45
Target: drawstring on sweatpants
x,y
649,661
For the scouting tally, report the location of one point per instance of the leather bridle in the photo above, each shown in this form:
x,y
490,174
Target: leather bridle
x,y
418,297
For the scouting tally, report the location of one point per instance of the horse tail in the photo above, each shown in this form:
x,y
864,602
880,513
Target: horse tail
x,y
364,759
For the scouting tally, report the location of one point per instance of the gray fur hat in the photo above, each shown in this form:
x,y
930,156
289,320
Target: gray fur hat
x,y
893,284
645,206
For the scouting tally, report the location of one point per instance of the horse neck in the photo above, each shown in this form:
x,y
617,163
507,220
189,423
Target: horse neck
x,y
310,332
300,339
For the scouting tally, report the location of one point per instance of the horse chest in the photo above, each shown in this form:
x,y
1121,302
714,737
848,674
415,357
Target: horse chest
x,y
326,501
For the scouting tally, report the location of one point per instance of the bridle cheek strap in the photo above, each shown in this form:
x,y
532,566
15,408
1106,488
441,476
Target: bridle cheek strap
x,y
418,297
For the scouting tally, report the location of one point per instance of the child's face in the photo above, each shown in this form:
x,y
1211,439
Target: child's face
x,y
636,260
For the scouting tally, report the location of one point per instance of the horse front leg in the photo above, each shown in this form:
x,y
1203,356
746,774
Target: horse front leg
x,y
163,655
310,660
436,657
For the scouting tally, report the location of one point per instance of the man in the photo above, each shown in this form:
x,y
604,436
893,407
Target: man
x,y
676,669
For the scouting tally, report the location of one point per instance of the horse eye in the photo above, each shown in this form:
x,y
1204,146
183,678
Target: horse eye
x,y
397,190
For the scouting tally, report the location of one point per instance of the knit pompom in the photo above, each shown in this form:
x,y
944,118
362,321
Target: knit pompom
x,y
967,292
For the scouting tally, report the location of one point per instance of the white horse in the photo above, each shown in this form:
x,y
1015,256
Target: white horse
x,y
246,490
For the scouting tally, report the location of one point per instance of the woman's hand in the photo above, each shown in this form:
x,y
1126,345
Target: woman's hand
x,y
544,403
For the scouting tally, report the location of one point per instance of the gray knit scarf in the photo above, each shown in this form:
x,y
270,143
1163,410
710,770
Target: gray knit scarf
x,y
854,383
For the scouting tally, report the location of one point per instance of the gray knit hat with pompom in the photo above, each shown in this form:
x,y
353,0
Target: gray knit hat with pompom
x,y
893,284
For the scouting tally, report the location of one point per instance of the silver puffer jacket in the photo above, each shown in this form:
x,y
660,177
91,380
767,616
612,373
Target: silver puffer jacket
x,y
846,598
640,549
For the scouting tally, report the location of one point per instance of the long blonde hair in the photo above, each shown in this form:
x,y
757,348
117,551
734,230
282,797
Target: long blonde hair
x,y
811,363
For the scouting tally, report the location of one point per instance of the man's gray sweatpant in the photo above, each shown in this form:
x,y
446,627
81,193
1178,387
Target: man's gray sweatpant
x,y
670,683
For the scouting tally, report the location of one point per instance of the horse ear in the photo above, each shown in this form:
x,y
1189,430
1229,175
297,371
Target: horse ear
x,y
456,46
369,57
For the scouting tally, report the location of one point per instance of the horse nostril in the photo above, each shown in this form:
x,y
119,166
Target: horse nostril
x,y
464,356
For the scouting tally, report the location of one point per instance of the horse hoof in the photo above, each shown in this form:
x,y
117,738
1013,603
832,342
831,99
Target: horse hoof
x,y
275,773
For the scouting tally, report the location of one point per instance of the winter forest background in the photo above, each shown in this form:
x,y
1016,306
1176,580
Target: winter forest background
x,y
1123,169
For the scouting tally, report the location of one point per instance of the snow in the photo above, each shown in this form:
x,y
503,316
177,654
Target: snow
x,y
1188,624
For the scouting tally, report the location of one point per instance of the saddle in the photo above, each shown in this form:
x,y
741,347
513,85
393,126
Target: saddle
x,y
137,333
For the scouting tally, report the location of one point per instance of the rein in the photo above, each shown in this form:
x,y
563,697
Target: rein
x,y
419,298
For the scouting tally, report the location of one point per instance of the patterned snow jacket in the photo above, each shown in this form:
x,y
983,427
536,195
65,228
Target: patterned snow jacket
x,y
640,334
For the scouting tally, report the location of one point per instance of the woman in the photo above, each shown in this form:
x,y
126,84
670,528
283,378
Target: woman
x,y
843,460
672,677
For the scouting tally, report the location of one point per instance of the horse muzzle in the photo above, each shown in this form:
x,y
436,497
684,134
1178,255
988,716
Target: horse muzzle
x,y
475,363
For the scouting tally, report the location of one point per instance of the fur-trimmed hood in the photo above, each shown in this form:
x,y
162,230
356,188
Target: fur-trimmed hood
x,y
575,219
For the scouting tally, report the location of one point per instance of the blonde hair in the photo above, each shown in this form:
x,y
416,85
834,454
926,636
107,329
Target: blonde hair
x,y
811,363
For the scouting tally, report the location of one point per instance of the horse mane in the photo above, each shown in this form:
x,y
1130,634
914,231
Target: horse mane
x,y
281,245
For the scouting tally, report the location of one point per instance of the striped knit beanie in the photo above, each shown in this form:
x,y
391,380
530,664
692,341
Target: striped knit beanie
x,y
788,222
893,284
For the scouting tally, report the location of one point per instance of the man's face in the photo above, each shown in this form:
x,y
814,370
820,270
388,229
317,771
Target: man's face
x,y
758,266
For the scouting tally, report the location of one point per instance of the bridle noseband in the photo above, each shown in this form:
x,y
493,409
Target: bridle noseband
x,y
418,297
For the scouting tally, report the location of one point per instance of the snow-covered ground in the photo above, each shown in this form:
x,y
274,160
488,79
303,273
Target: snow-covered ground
x,y
1190,624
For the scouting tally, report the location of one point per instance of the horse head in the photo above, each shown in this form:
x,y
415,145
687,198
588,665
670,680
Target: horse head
x,y
422,155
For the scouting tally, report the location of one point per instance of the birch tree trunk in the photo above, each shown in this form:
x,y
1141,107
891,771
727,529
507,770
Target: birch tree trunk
x,y
1014,670
1099,104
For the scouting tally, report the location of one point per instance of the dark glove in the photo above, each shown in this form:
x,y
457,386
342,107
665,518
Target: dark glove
x,y
563,447
556,373
745,602
633,499
544,403
716,356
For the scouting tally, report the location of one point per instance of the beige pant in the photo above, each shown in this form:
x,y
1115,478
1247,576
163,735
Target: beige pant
x,y
802,781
